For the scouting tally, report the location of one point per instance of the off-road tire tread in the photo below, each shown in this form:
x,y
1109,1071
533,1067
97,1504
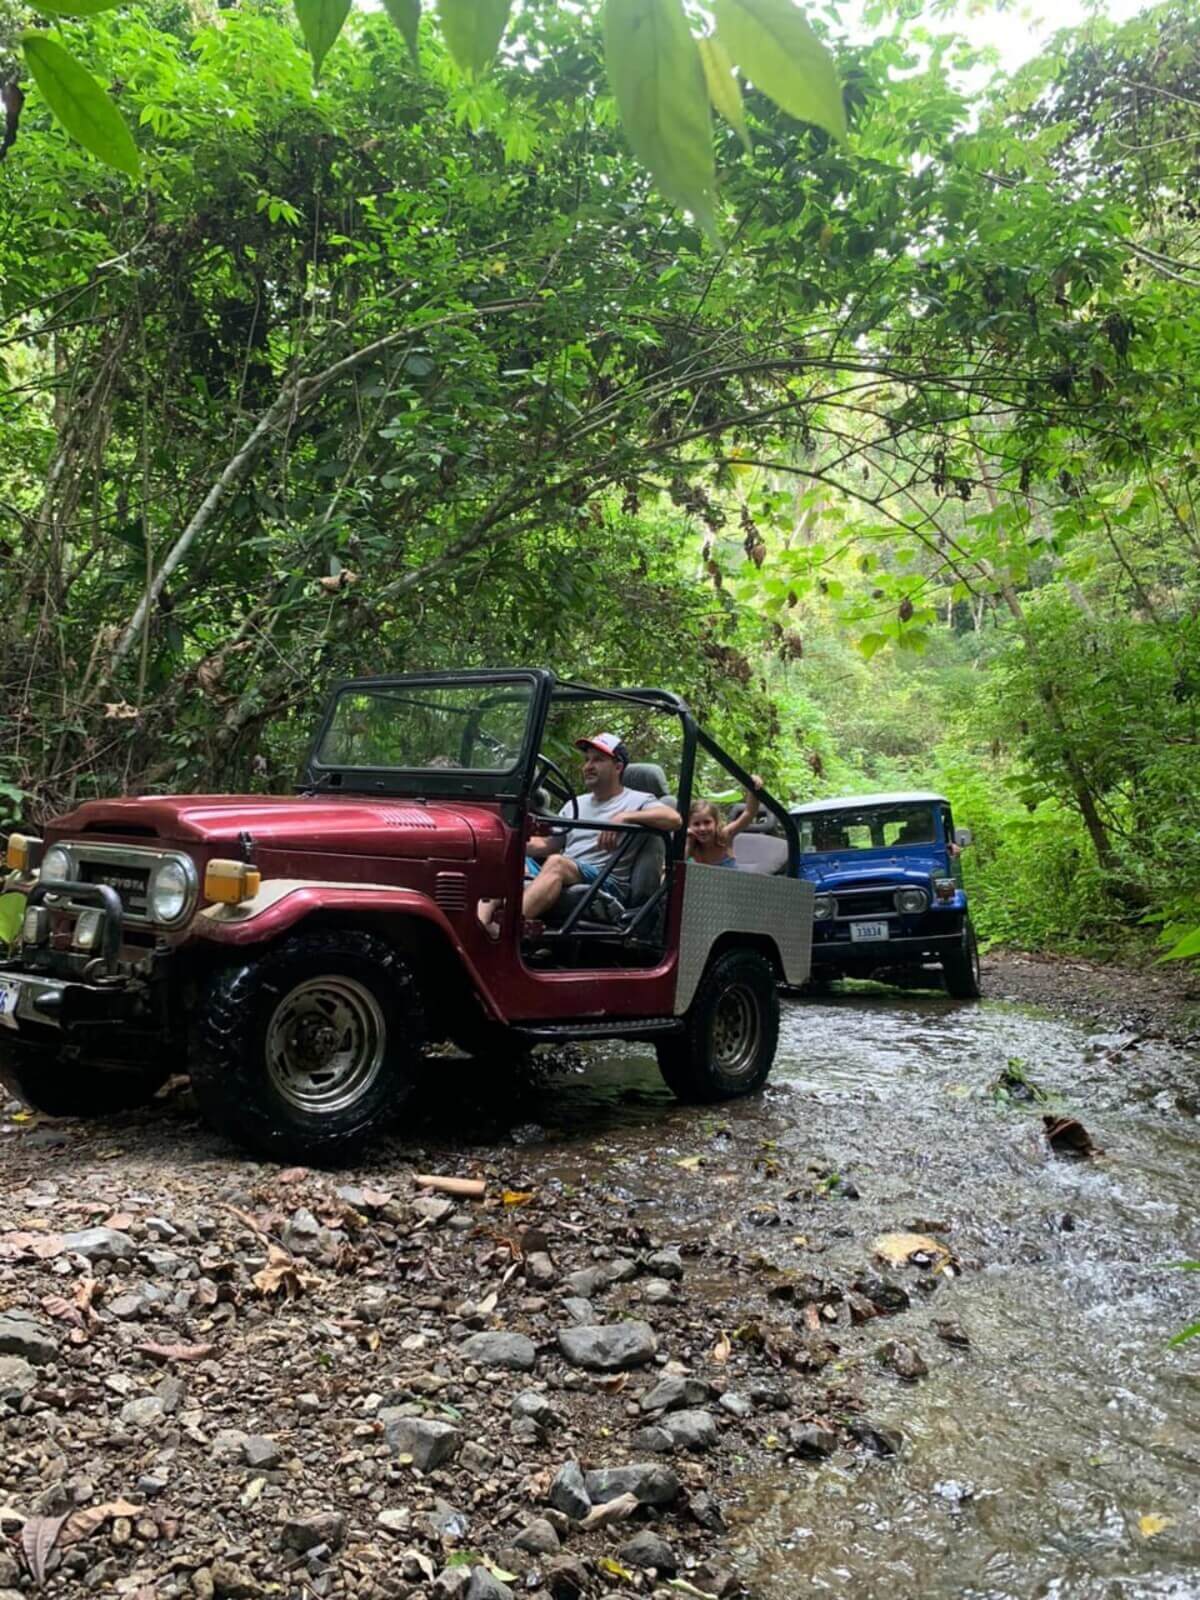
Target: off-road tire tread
x,y
959,971
683,1058
229,1082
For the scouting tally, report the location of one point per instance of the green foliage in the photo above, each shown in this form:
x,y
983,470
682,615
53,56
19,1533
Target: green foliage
x,y
320,22
79,103
473,30
775,46
12,911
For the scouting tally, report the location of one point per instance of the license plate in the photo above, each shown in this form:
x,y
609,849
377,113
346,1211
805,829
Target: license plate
x,y
8,1002
861,931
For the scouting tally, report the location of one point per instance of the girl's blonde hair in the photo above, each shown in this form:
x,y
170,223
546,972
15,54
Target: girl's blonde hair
x,y
710,808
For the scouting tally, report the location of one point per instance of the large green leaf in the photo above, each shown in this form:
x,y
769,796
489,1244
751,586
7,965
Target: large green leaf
x,y
657,77
775,47
80,104
12,912
73,8
321,22
724,90
1188,945
406,14
473,30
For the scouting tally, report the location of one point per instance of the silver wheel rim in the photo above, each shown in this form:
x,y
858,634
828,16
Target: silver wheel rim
x,y
736,1032
325,1045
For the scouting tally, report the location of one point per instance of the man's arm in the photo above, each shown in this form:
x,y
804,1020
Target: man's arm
x,y
663,819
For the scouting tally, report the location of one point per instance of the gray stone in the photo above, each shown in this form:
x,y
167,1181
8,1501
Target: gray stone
x,y
446,1521
434,1208
904,1360
477,1458
737,1405
17,1378
451,1584
309,1533
228,1444
611,1348
429,1443
586,1284
231,1582
580,1311
171,1391
691,1430
262,1453
513,1351
654,1439
566,1578
813,1440
706,1511
650,1483
151,1484
128,1307
540,1269
568,1492
22,1335
395,1519
534,1405
483,1586
658,1291
302,1234
676,1394
646,1549
666,1264
100,1244
883,1441
143,1413
539,1538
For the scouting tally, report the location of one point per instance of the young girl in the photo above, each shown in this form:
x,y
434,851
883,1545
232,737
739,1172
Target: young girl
x,y
710,837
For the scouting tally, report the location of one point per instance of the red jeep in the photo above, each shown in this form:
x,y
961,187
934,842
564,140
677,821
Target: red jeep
x,y
297,956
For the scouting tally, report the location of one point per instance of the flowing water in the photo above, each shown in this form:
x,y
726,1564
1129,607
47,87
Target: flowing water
x,y
1032,1457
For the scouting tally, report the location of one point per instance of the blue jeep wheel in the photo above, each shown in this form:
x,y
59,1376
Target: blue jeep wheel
x,y
960,969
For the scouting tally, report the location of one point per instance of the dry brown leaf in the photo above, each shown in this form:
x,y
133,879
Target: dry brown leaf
x,y
897,1248
38,1538
120,710
82,1524
280,1275
292,1175
64,1310
611,1511
177,1352
722,1350
613,1384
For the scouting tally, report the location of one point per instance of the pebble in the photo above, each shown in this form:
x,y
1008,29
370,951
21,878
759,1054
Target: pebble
x,y
429,1443
666,1264
540,1269
904,1360
952,1333
566,1578
144,1412
17,1378
539,1538
100,1244
307,1533
581,1312
569,1493
231,1582
514,1352
691,1430
483,1586
260,1452
646,1549
677,1393
22,1335
649,1483
737,1405
394,1520
610,1348
657,1291
813,1440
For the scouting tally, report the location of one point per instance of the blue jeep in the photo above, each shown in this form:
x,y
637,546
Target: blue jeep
x,y
889,893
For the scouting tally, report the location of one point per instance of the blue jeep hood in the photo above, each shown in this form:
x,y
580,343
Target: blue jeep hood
x,y
839,869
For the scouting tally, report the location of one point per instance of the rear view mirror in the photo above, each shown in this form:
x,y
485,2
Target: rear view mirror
x,y
963,837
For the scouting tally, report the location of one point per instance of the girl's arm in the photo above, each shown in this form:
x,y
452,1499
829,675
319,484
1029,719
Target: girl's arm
x,y
732,829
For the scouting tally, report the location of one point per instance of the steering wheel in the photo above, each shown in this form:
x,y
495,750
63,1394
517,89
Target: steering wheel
x,y
560,788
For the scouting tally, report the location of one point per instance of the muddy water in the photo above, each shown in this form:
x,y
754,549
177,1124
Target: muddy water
x,y
1031,1457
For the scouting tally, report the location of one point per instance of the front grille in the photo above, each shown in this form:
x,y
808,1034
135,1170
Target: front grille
x,y
450,891
869,900
131,883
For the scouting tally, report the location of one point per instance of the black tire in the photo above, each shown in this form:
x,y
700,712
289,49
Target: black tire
x,y
730,1031
268,1071
960,970
61,1088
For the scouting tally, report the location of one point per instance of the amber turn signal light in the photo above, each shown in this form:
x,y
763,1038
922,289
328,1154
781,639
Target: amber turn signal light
x,y
22,853
231,882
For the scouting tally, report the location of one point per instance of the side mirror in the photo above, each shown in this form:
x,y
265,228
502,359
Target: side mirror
x,y
963,837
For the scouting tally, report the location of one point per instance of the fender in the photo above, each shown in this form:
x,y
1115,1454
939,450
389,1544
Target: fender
x,y
281,903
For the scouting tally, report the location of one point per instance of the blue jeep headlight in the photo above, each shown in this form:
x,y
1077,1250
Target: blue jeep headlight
x,y
911,901
822,908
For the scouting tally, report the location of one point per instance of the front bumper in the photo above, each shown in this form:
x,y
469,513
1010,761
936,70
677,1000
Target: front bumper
x,y
911,942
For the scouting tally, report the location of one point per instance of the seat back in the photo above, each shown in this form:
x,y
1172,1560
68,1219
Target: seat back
x,y
646,776
760,852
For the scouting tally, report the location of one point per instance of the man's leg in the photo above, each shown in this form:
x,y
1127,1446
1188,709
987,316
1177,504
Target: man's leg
x,y
558,873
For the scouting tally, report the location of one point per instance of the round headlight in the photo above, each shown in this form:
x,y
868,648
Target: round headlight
x,y
823,907
169,890
57,866
910,901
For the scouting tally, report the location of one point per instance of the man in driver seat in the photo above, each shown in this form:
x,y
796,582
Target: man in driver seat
x,y
579,855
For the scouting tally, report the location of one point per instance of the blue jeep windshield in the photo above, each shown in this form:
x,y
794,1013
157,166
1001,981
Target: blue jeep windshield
x,y
868,828
470,727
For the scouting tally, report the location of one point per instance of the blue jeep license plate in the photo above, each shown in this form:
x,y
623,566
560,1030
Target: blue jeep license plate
x,y
860,931
8,1002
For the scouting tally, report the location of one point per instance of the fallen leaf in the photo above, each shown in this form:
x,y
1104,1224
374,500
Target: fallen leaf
x,y
682,1586
722,1350
690,1163
488,1304
38,1538
280,1275
614,1383
82,1524
615,1569
64,1310
177,1352
518,1197
1153,1523
120,710
611,1511
897,1249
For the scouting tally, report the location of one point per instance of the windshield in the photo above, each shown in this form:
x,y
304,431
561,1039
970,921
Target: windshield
x,y
470,727
867,828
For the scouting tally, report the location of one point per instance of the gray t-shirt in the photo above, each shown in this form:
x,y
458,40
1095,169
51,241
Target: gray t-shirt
x,y
583,844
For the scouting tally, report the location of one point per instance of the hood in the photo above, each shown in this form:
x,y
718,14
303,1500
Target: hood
x,y
343,826
841,869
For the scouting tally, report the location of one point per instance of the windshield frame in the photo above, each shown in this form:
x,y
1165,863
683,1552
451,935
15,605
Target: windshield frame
x,y
328,777
833,818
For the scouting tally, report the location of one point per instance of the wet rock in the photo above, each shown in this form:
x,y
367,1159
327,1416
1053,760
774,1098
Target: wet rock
x,y
883,1441
956,1493
22,1335
540,1270
17,1378
483,1586
144,1412
691,1430
610,1348
813,1440
646,1549
649,1483
952,1333
769,1397
706,1511
568,1492
429,1443
514,1352
737,1405
262,1453
307,1533
539,1538
566,1578
888,1298
860,1308
666,1264
100,1244
903,1359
